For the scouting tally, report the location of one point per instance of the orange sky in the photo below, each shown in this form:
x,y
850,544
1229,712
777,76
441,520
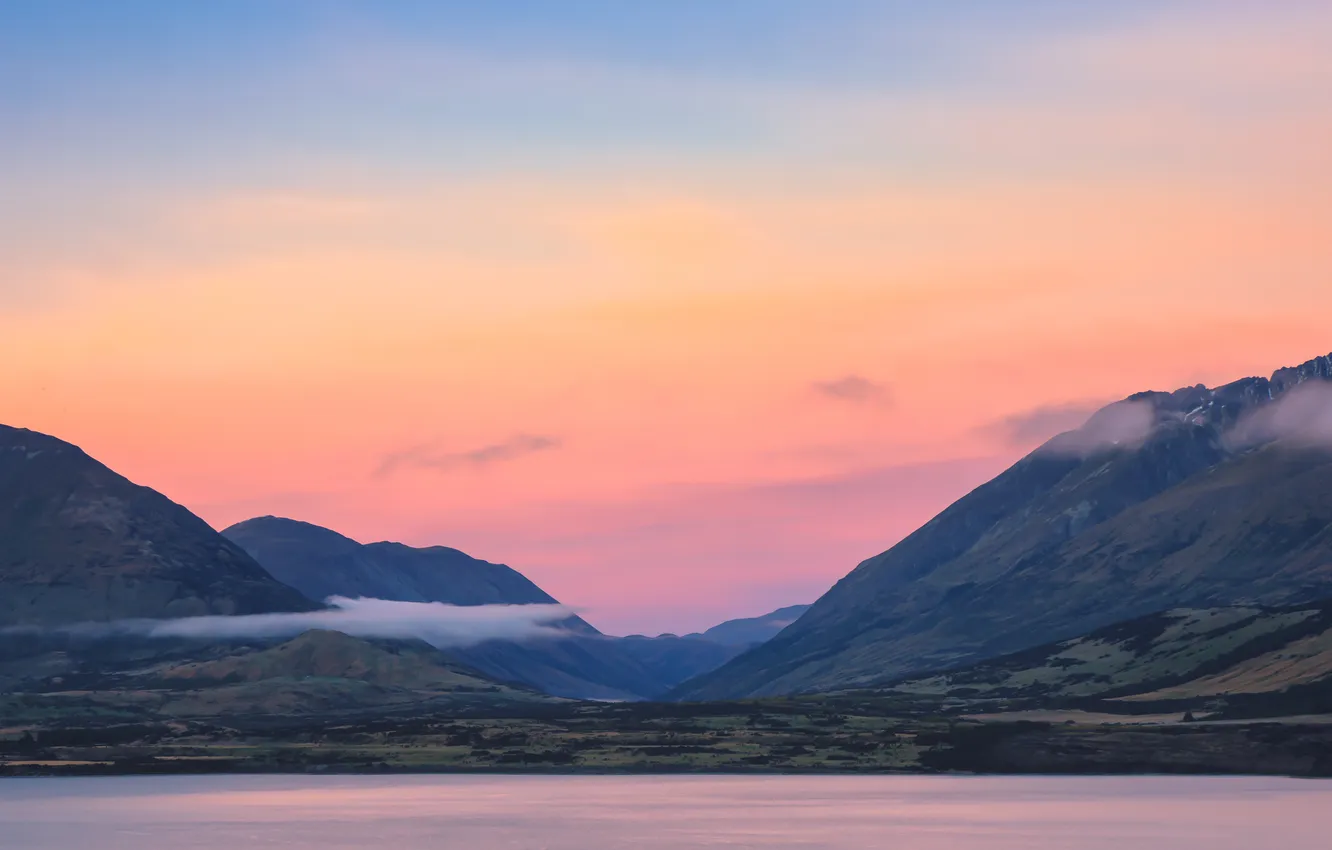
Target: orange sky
x,y
693,383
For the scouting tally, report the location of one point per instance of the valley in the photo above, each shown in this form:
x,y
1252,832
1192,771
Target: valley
x,y
1157,599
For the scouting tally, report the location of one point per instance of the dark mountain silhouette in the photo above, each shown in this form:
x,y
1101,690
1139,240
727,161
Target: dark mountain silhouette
x,y
80,542
748,631
676,658
322,563
1196,498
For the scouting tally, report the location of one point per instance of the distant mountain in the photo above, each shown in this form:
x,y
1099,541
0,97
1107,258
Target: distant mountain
x,y
1196,498
586,664
753,630
676,658
79,542
322,563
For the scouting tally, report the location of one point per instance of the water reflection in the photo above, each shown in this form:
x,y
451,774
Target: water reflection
x,y
611,813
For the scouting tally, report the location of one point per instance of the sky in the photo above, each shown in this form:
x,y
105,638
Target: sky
x,y
680,308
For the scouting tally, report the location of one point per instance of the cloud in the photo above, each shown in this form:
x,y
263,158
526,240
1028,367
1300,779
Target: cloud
x,y
434,622
1122,424
1302,415
1077,428
854,388
424,457
1031,427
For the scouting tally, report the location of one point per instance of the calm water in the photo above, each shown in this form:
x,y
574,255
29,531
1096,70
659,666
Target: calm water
x,y
611,813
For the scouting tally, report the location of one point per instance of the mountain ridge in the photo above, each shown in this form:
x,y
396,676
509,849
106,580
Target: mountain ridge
x,y
585,664
82,542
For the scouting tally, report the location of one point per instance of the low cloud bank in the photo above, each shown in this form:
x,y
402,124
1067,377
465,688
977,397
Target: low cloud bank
x,y
1302,415
1035,426
434,622
1125,424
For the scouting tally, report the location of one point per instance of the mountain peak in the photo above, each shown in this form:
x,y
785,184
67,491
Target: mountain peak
x,y
82,542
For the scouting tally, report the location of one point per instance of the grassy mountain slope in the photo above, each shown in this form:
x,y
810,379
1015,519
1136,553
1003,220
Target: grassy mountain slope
x,y
318,673
1179,654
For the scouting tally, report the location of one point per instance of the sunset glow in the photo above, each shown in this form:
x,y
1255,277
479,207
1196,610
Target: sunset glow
x,y
680,333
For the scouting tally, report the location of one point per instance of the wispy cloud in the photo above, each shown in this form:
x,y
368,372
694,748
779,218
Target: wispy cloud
x,y
1031,427
434,622
854,388
427,457
1124,424
1076,428
1302,416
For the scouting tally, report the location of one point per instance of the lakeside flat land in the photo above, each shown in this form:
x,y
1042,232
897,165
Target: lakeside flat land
x,y
815,735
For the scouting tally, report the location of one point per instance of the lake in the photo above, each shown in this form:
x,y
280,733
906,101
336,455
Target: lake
x,y
623,812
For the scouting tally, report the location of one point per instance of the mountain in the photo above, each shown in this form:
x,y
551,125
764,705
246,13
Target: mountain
x,y
1185,654
1196,498
80,542
752,630
676,658
586,664
322,563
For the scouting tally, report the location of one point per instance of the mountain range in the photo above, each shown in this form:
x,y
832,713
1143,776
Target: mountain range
x,y
1176,548
80,543
583,664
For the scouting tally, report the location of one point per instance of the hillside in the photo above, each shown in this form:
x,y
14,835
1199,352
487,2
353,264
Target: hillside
x,y
318,673
1219,501
80,542
1184,654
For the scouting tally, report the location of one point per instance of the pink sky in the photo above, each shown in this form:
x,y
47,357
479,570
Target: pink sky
x,y
679,385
